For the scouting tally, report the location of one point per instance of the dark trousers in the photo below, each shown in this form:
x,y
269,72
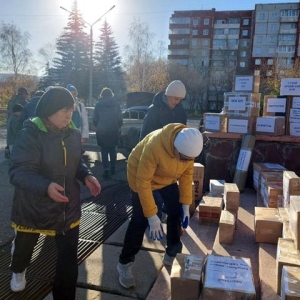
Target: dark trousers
x,y
139,223
64,285
111,151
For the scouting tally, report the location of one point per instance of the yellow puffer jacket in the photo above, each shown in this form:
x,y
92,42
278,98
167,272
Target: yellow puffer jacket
x,y
152,165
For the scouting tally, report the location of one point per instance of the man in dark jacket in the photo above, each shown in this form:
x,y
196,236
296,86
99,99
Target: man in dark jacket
x,y
21,98
166,108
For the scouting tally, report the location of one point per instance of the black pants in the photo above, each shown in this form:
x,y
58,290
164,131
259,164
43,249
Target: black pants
x,y
64,285
139,223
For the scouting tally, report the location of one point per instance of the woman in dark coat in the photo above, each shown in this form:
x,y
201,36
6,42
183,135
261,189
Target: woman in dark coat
x,y
108,121
46,162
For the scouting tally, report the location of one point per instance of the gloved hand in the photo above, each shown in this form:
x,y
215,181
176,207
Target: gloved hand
x,y
156,231
185,216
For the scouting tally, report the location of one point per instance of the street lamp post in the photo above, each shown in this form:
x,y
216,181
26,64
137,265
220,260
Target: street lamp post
x,y
91,50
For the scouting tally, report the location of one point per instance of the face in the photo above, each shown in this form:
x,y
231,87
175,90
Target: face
x,y
173,101
182,157
62,118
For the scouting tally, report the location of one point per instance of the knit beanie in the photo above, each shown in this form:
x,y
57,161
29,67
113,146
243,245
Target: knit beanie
x,y
189,142
71,88
176,89
55,99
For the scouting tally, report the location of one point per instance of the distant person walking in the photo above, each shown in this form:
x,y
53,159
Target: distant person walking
x,y
108,120
162,158
80,115
29,109
21,98
45,166
13,125
166,108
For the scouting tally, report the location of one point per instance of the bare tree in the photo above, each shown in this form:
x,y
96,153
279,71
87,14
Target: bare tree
x,y
15,56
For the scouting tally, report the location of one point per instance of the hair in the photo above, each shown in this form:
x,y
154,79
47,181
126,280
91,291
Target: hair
x,y
106,92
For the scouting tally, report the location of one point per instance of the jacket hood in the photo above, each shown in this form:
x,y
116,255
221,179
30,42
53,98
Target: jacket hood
x,y
38,123
107,101
168,135
158,100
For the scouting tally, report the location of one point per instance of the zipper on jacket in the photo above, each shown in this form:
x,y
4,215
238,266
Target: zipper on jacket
x,y
65,171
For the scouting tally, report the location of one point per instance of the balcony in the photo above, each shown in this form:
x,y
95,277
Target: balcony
x,y
286,43
177,56
216,26
182,46
289,19
287,31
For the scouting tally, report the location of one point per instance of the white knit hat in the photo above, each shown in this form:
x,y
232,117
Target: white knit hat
x,y
176,89
189,142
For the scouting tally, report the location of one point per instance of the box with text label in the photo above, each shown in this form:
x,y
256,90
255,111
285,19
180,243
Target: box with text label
x,y
246,83
270,126
275,106
215,122
198,180
244,125
210,210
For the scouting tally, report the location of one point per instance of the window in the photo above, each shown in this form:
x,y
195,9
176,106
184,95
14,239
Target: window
x,y
180,20
218,31
261,16
205,42
286,49
218,43
272,39
271,50
233,31
243,53
287,37
259,39
245,32
257,61
270,61
194,42
289,13
246,22
274,15
180,31
195,22
257,72
206,22
234,21
204,53
205,31
242,64
273,27
195,32
260,28
258,50
244,43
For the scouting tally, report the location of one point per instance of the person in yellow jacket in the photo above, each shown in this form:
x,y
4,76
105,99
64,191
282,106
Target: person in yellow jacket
x,y
162,158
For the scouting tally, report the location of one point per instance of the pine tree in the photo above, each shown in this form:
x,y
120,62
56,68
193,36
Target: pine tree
x,y
72,64
108,71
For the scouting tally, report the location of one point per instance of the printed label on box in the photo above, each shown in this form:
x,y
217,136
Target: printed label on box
x,y
296,102
276,105
238,126
265,124
295,115
295,129
243,160
237,103
290,86
212,122
244,83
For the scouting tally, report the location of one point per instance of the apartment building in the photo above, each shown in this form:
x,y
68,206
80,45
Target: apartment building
x,y
221,44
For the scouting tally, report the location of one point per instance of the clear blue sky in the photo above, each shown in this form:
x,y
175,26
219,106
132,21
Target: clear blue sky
x,y
44,19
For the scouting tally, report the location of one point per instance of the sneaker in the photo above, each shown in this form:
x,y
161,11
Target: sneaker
x,y
126,278
168,260
18,282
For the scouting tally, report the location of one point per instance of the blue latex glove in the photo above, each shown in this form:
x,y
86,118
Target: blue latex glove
x,y
156,231
185,216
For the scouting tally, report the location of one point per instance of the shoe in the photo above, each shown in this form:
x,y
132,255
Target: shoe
x,y
126,278
106,174
168,260
18,282
112,171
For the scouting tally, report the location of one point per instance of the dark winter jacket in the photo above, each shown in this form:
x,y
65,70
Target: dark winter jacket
x,y
18,99
40,157
108,120
160,114
13,127
29,109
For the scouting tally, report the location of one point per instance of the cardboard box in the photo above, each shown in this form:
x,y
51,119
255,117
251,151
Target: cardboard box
x,y
286,255
261,167
231,196
228,277
193,205
215,122
268,225
291,185
210,210
293,129
267,177
216,187
242,104
290,86
290,283
284,214
273,193
270,126
274,106
294,220
286,233
198,180
246,83
186,276
244,125
226,227
295,102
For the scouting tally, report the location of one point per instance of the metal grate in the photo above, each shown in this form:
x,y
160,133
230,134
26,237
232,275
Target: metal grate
x,y
101,216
